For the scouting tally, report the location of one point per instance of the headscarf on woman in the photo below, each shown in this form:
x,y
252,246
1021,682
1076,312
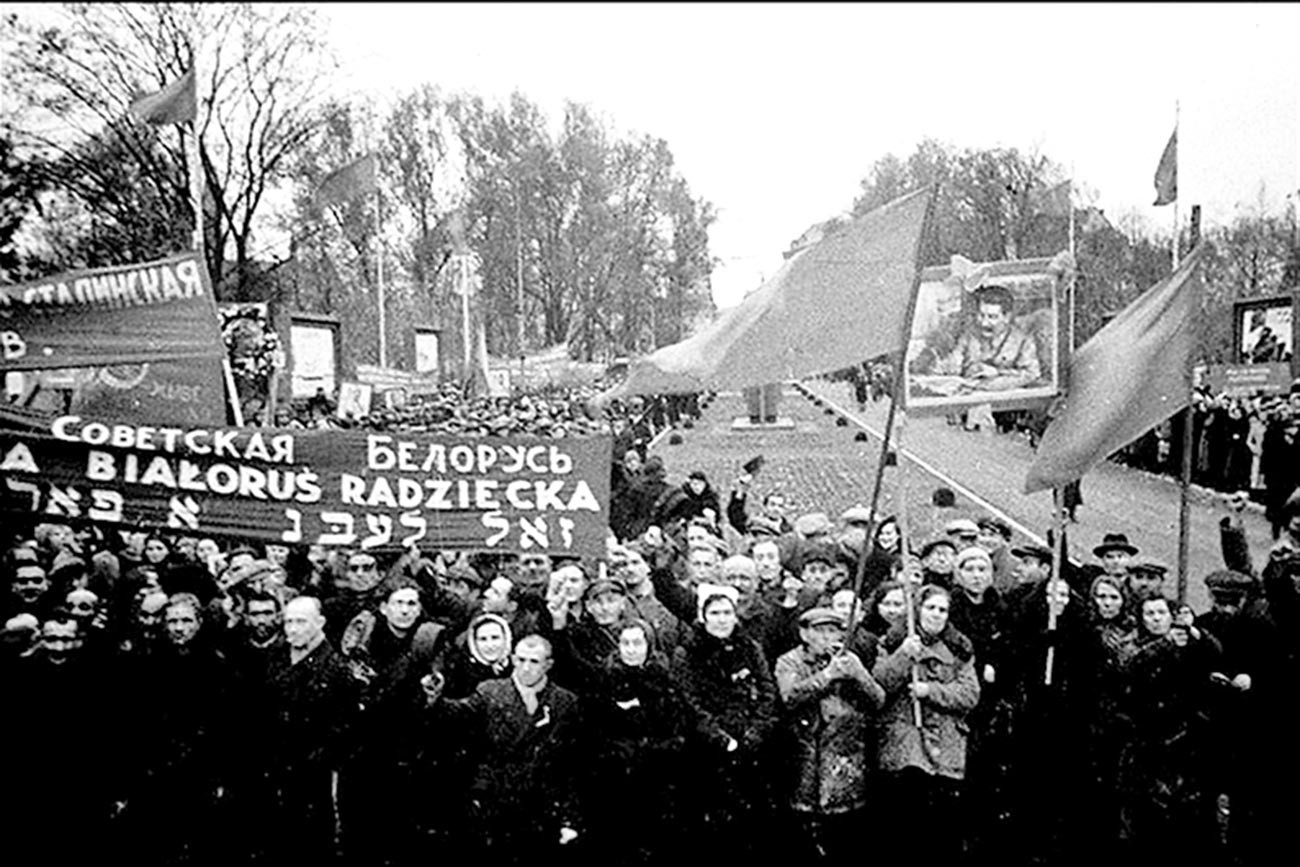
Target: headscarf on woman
x,y
959,644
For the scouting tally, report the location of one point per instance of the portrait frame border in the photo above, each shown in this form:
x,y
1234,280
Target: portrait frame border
x,y
1062,297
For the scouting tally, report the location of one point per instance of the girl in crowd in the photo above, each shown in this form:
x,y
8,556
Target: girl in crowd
x,y
639,722
884,553
1113,639
730,686
887,608
1167,810
481,653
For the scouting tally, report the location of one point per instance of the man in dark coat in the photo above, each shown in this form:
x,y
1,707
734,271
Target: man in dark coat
x,y
387,651
253,645
1279,463
526,733
316,703
61,776
182,695
1046,618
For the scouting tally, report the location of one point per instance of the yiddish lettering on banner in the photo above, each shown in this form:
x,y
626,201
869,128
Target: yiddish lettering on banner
x,y
371,490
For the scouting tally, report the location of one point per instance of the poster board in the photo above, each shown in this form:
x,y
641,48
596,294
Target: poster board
x,y
313,344
354,400
1264,331
987,333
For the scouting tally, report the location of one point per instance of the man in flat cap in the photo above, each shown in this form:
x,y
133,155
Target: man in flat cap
x,y
995,538
832,701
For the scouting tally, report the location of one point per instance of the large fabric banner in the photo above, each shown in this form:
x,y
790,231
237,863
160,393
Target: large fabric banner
x,y
373,490
138,343
840,300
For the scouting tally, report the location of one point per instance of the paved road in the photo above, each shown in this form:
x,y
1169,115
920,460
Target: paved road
x,y
820,467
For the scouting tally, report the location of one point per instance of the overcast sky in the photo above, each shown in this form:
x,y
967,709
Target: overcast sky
x,y
775,112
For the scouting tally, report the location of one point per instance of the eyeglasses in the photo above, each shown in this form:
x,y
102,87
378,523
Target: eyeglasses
x,y
363,567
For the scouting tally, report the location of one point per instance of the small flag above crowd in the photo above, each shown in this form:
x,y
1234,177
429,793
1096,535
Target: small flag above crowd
x,y
175,103
343,185
1166,179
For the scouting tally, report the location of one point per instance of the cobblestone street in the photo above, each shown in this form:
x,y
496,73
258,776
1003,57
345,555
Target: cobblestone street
x,y
820,467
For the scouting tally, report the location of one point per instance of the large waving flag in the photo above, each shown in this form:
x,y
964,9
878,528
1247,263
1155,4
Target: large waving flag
x,y
1166,179
1132,375
175,103
834,303
355,179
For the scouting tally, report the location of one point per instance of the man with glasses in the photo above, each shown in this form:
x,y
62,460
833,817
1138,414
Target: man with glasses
x,y
360,590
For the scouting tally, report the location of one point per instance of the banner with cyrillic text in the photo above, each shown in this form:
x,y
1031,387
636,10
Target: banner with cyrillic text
x,y
140,343
336,488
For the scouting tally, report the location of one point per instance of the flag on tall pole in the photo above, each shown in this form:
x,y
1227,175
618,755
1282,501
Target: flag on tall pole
x,y
1053,201
1131,376
1166,179
357,178
175,103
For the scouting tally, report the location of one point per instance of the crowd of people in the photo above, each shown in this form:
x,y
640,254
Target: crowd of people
x,y
729,681
1244,444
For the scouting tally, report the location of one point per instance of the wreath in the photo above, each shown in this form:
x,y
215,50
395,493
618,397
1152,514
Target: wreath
x,y
252,344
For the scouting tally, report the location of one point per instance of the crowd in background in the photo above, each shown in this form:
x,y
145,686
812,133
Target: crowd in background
x,y
730,682
1240,443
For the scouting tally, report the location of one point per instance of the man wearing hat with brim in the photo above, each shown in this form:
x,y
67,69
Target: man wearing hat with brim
x,y
1114,555
831,701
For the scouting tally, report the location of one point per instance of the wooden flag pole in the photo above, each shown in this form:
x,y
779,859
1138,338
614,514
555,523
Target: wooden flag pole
x,y
1056,574
904,553
194,159
896,399
379,279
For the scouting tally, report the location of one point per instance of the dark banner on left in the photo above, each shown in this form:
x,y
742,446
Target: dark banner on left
x,y
345,488
139,343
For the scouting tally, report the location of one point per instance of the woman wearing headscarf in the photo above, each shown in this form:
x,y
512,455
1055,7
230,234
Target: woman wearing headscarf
x,y
1167,809
639,723
480,653
730,688
978,612
933,667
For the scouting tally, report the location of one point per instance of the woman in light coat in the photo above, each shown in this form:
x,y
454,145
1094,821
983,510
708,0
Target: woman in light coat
x,y
933,668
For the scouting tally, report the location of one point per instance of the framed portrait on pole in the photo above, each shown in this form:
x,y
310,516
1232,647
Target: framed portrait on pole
x,y
1264,330
992,333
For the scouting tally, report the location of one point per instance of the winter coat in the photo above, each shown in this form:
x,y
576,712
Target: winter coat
x,y
525,762
832,723
316,703
639,722
730,686
1165,766
939,746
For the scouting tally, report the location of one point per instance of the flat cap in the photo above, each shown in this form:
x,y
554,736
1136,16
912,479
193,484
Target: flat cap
x,y
819,617
1228,580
